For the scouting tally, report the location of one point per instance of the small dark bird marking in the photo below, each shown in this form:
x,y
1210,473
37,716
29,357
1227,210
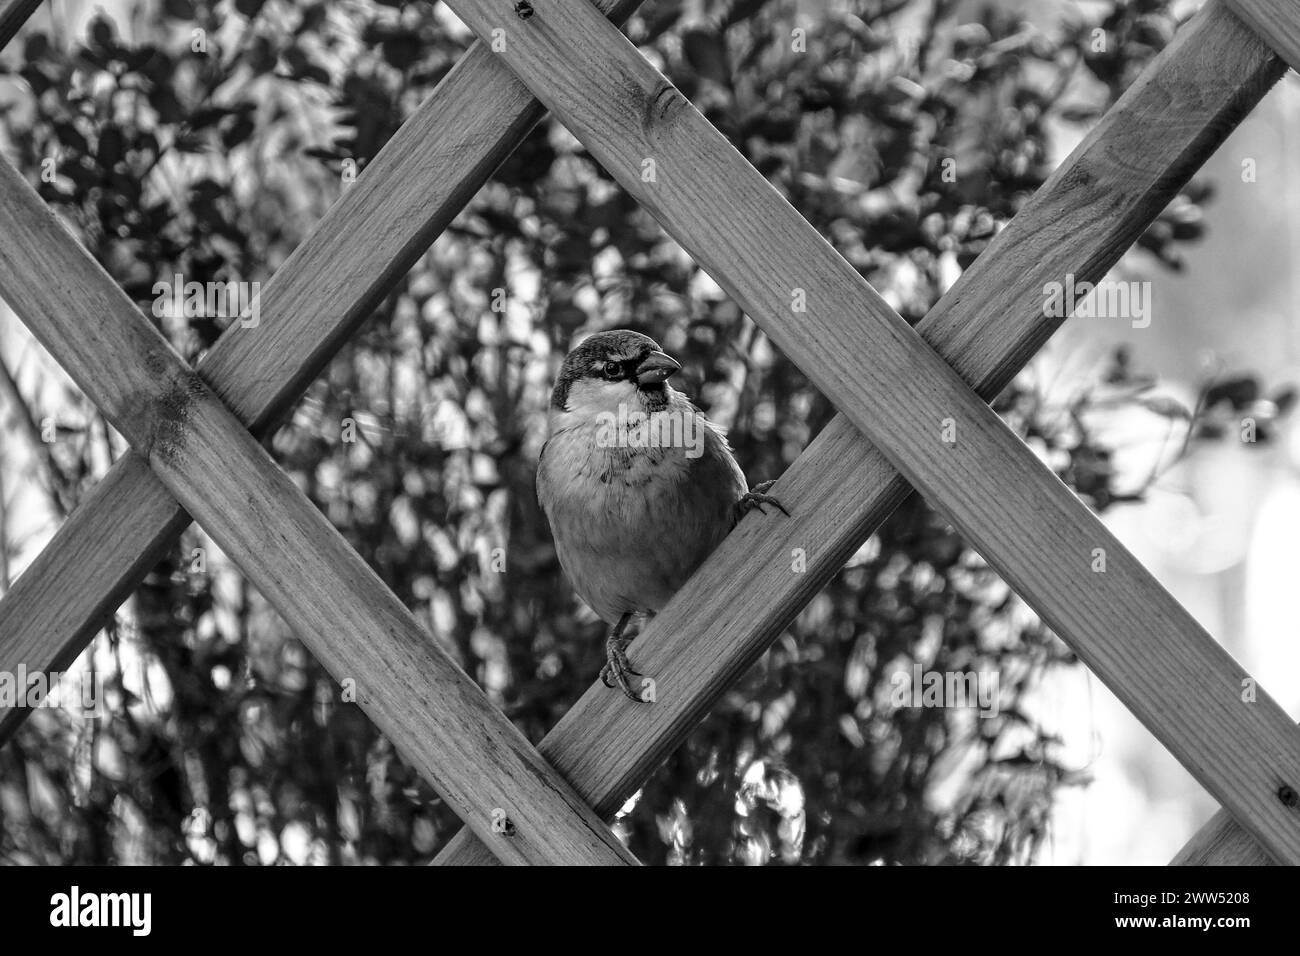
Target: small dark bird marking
x,y
524,9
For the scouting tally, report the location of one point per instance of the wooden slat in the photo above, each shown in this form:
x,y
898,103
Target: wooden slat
x,y
13,14
1276,21
356,627
1173,118
1174,677
719,645
375,232
94,561
1222,842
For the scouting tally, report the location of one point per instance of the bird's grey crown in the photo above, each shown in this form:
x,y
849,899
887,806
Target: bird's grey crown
x,y
616,345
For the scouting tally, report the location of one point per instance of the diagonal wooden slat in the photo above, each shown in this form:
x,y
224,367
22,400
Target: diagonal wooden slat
x,y
434,714
1226,118
1222,841
1083,218
1276,21
1181,684
13,14
372,235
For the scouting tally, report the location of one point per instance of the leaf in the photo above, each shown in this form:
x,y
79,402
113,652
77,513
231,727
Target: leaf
x,y
312,18
148,60
302,68
238,131
207,116
101,31
706,52
1239,392
660,18
741,10
296,59
188,143
1285,398
146,143
78,172
36,79
207,190
36,47
110,147
71,138
260,56
1080,114
325,153
164,101
401,49
1166,407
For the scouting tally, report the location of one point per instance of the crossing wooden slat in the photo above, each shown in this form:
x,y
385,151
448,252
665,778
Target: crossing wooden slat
x,y
434,714
13,14
1222,842
99,554
373,234
1172,119
1181,684
741,641
1276,21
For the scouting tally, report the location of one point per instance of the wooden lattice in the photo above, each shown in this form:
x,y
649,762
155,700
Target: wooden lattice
x,y
194,433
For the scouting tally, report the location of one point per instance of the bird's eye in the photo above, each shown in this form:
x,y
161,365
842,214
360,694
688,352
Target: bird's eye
x,y
613,370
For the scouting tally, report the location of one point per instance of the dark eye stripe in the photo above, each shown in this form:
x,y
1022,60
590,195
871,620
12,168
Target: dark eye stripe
x,y
626,368
627,365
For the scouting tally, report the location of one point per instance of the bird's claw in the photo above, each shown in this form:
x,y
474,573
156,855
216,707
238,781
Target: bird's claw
x,y
756,498
617,671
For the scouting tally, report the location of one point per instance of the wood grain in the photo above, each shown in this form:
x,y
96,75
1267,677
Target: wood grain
x,y
13,14
356,627
373,234
1173,118
1124,625
1276,21
1222,842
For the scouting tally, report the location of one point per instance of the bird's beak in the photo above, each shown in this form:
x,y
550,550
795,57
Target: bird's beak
x,y
655,367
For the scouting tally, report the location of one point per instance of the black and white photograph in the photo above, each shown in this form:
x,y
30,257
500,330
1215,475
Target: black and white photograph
x,y
692,433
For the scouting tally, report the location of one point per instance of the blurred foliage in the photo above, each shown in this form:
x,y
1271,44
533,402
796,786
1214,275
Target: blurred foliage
x,y
206,139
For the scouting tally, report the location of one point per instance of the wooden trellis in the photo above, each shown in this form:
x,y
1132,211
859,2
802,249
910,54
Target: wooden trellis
x,y
194,433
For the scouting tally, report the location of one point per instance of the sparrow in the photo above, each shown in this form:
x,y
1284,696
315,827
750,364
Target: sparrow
x,y
637,485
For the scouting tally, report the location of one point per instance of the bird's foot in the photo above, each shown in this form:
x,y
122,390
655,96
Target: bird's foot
x,y
755,499
617,671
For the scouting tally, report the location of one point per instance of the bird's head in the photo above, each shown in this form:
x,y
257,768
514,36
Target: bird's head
x,y
613,369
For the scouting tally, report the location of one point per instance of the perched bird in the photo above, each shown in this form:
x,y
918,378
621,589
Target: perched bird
x,y
638,486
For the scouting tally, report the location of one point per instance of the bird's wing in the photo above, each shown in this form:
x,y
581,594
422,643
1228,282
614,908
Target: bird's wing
x,y
717,467
537,481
